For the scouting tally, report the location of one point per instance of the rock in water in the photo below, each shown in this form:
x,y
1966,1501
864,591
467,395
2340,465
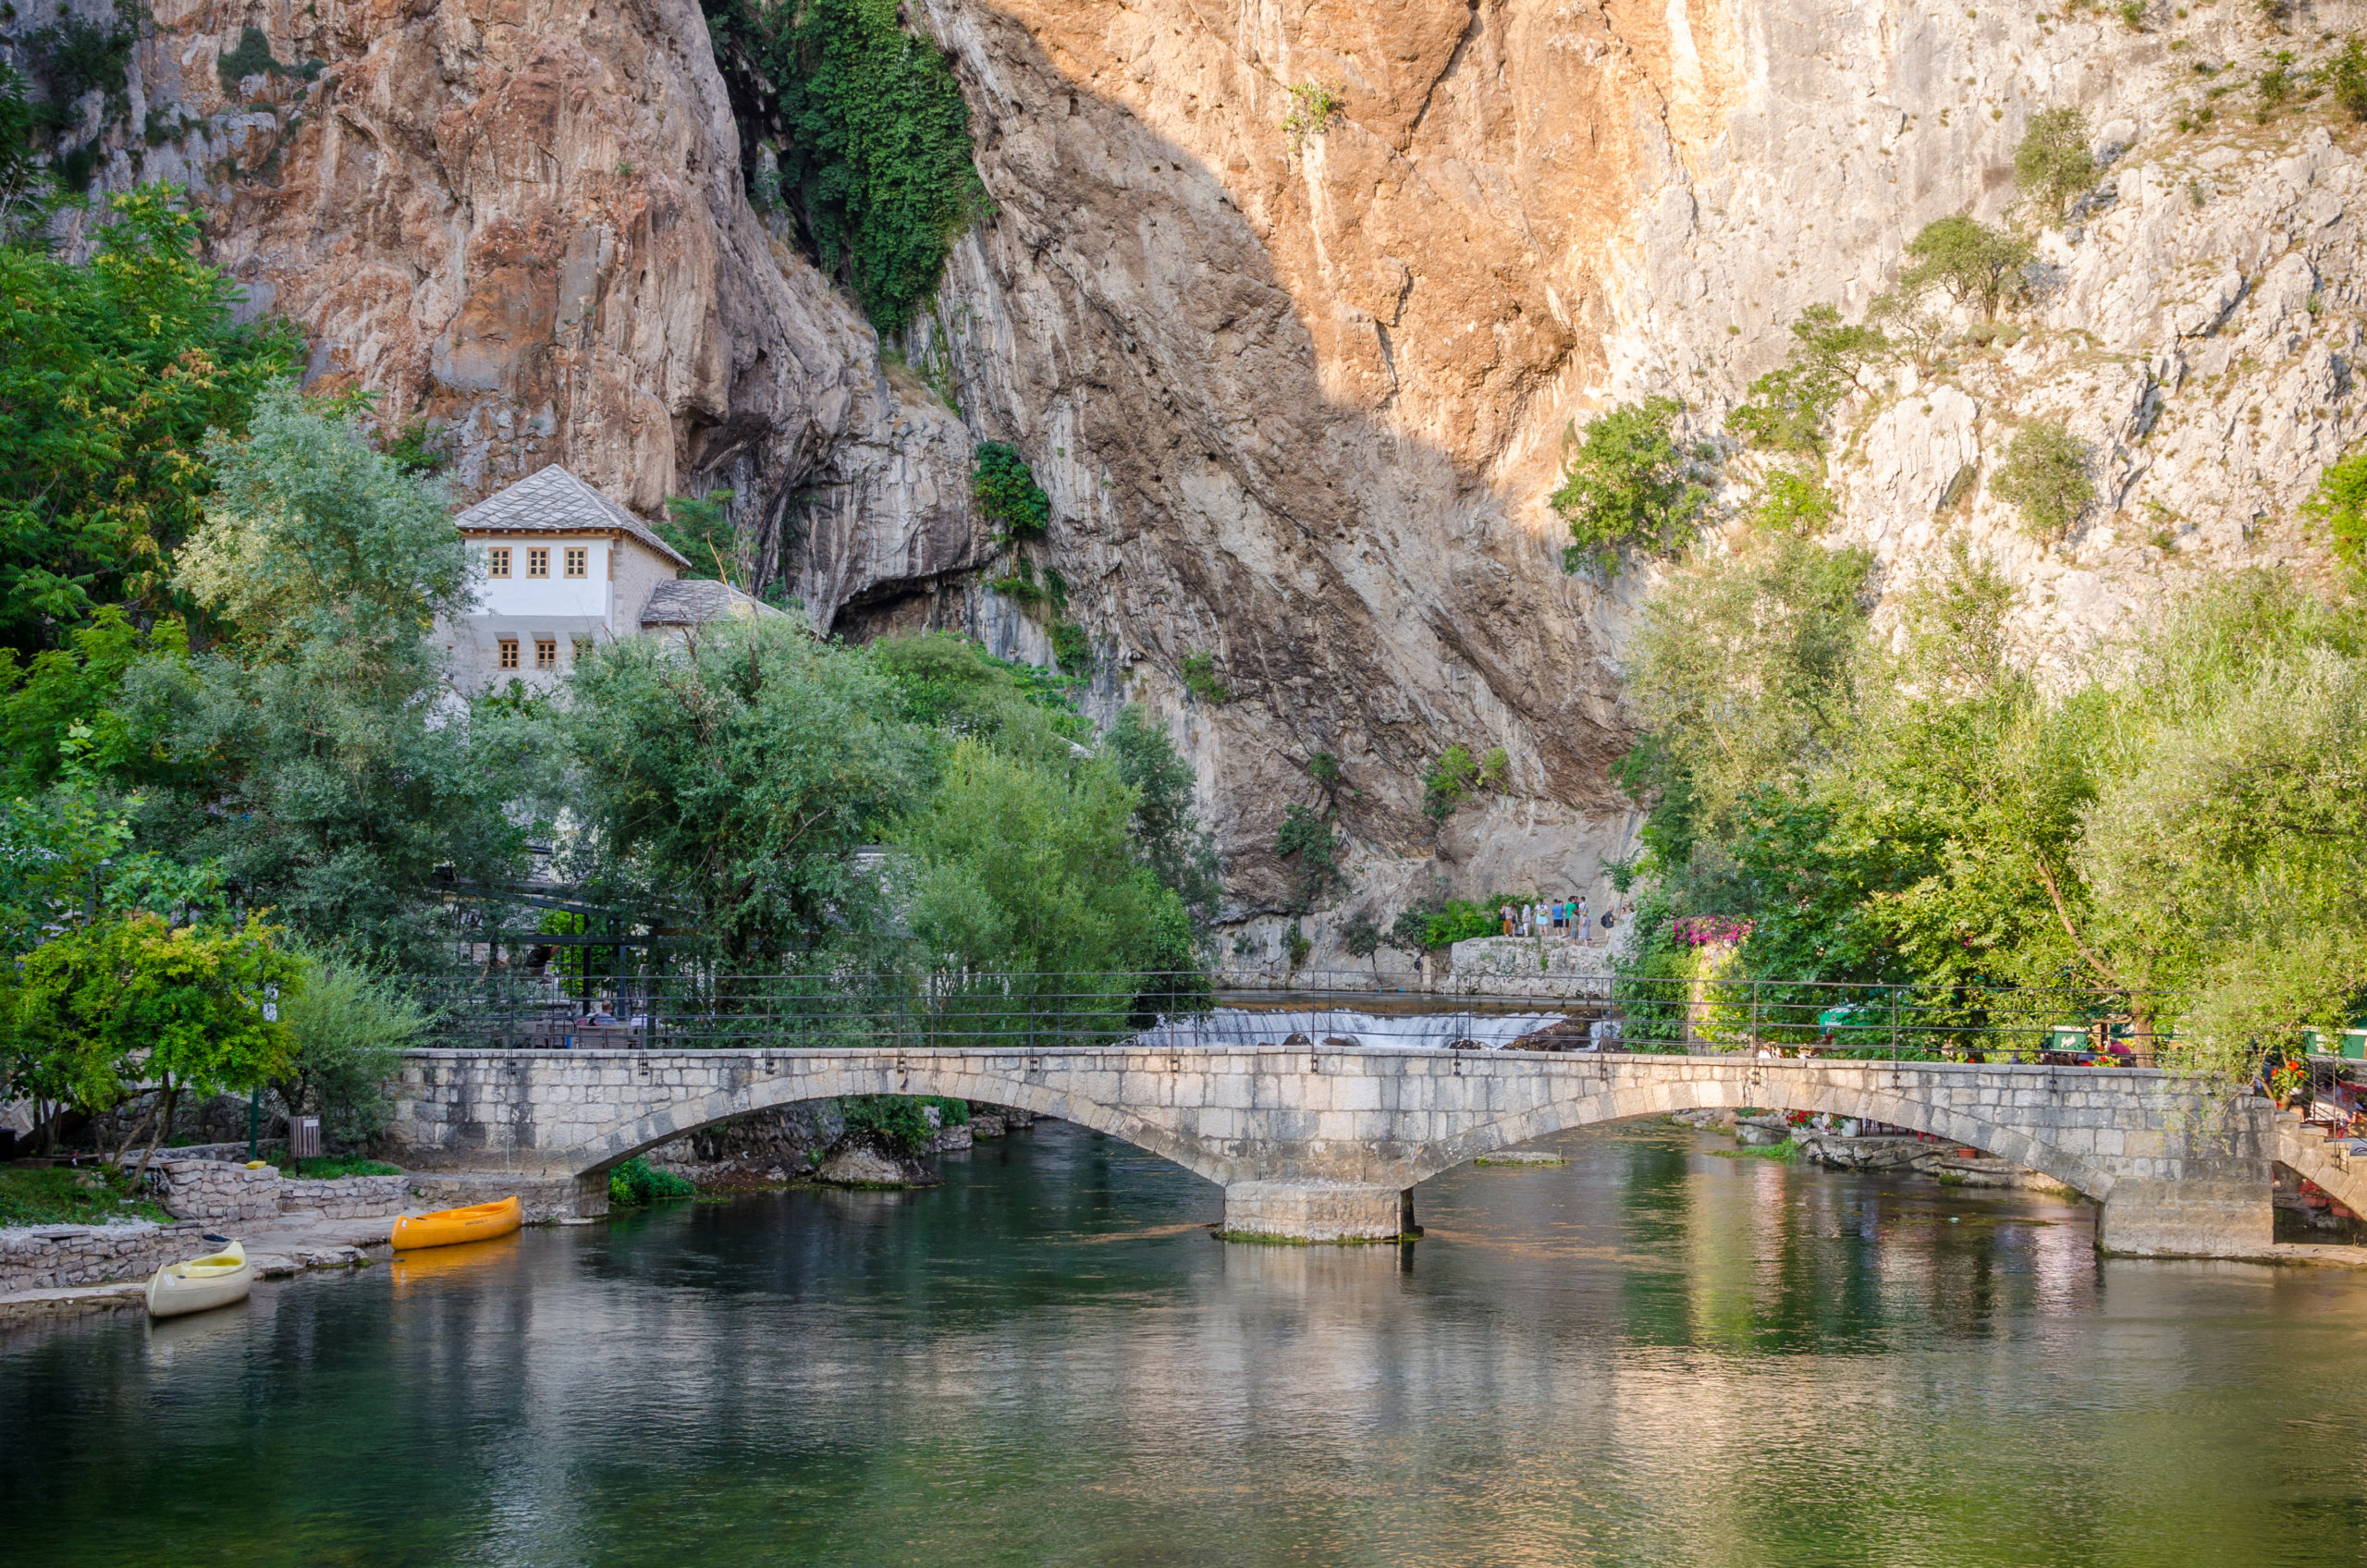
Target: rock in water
x,y
869,1159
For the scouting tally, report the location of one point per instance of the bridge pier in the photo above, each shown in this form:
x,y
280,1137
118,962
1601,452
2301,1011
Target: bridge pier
x,y
1317,1211
2208,1216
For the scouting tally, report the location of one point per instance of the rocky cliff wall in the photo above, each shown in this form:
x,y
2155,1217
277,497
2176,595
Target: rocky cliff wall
x,y
1299,402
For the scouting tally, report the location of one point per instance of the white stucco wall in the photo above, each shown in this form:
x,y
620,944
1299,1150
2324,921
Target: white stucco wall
x,y
601,606
591,595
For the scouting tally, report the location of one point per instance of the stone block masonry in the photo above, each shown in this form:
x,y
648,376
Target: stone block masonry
x,y
58,1257
1306,1140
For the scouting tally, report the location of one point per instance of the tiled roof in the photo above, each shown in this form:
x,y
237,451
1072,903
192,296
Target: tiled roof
x,y
554,501
691,601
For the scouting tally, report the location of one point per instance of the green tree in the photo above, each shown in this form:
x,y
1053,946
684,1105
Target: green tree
x,y
347,1029
739,774
2045,477
1627,485
701,528
2339,505
62,691
1743,673
110,374
317,752
2347,78
1790,405
2052,162
1166,822
874,139
1795,503
1364,939
1979,267
1308,837
132,1001
1025,864
24,178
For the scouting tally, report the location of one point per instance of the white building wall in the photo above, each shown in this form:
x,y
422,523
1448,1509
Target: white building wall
x,y
591,595
597,609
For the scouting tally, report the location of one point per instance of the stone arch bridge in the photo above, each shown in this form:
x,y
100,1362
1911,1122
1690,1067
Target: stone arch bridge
x,y
1326,1144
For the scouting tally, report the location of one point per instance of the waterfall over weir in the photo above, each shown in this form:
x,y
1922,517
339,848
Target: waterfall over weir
x,y
1245,1026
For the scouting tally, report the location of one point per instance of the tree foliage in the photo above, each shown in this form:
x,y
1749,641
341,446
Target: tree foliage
x,y
1627,485
1977,266
1006,493
2045,477
739,774
1167,822
2186,825
120,1003
701,528
346,1031
1308,837
1790,405
110,374
2052,162
318,755
2339,506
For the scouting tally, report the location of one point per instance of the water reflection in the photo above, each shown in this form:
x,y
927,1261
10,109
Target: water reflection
x,y
1646,1355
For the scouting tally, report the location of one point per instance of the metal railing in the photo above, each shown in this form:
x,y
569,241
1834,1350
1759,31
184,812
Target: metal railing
x,y
847,1009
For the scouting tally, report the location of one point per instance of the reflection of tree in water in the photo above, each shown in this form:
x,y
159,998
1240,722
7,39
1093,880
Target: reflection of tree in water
x,y
1762,1258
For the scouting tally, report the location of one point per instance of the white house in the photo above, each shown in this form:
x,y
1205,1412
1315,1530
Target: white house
x,y
562,570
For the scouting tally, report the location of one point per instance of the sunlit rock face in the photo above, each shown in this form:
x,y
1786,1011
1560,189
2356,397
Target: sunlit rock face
x,y
1300,401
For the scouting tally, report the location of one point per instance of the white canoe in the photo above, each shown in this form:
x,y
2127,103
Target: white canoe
x,y
201,1283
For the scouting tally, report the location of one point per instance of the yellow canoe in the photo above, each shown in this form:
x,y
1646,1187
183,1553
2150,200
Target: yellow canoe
x,y
478,1222
201,1283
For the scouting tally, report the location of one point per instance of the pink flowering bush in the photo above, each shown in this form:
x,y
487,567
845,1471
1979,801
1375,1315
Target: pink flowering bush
x,y
1705,930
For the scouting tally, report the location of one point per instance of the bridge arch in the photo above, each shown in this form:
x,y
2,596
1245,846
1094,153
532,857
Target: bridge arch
x,y
1784,1092
682,1118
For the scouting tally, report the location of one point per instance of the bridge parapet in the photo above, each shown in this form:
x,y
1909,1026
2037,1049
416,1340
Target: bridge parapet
x,y
1324,1144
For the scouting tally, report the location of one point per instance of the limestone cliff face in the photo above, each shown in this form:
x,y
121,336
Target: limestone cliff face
x,y
525,222
1299,402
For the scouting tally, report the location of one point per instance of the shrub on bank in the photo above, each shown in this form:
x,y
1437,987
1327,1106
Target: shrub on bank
x,y
635,1184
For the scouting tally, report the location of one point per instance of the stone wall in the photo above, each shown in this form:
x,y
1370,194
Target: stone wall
x,y
58,1258
1528,966
217,1192
346,1198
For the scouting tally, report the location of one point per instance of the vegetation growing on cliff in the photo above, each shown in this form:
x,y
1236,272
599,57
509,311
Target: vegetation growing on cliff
x,y
2045,477
1004,490
1790,405
2052,162
1314,104
1627,485
2339,506
1456,776
870,134
1977,266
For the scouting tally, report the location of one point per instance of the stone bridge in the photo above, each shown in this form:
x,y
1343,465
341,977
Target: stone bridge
x,y
1327,1144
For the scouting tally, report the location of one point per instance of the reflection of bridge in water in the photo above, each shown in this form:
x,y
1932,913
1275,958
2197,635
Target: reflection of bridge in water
x,y
1326,1142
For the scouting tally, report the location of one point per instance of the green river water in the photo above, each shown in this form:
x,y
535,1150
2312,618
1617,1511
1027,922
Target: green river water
x,y
1648,1355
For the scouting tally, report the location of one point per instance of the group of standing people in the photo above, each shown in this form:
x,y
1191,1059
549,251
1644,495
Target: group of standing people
x,y
1566,919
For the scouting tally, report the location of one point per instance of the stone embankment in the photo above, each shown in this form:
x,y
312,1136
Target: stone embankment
x,y
286,1225
806,1141
58,1258
1844,1144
